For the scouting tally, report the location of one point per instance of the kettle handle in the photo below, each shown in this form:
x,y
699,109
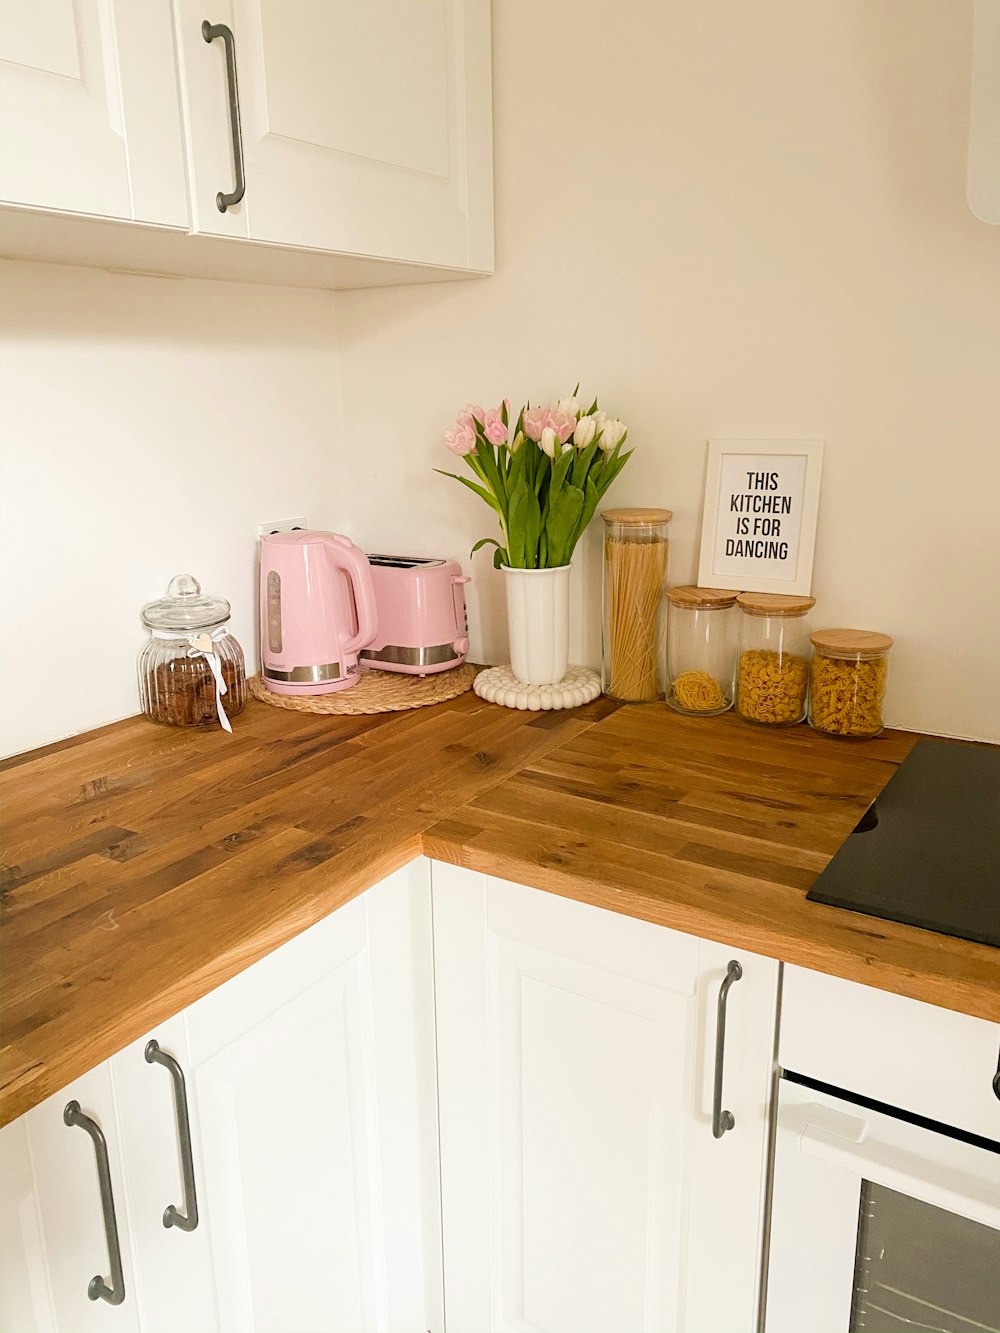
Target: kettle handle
x,y
355,565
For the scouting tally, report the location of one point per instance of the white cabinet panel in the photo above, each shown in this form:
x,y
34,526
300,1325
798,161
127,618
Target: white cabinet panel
x,y
315,1138
54,1237
89,111
582,1186
175,1285
366,128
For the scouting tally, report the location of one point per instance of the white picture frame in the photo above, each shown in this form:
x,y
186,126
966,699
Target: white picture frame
x,y
758,528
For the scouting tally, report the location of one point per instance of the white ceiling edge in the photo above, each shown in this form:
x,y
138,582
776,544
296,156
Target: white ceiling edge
x,y
984,120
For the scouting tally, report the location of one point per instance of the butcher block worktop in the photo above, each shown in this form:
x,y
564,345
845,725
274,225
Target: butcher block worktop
x,y
143,866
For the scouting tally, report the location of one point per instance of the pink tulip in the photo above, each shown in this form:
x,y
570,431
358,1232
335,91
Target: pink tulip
x,y
466,421
534,422
496,431
476,412
461,441
563,424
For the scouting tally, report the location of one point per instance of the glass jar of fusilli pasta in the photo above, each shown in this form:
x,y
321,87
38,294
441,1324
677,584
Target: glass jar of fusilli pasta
x,y
701,650
847,678
773,670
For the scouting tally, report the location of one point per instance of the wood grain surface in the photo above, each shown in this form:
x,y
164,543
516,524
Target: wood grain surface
x,y
143,866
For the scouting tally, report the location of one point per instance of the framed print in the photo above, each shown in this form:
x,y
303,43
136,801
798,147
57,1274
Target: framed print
x,y
758,530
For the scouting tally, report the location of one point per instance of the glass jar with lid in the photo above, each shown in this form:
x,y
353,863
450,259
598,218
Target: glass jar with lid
x,y
847,679
635,568
773,672
701,650
191,662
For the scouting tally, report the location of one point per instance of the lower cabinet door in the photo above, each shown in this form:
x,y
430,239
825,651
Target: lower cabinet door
x,y
583,1188
311,1076
64,1235
165,1182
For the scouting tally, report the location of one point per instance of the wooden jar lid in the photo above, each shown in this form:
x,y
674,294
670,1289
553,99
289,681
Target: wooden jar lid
x,y
852,643
637,516
774,604
686,594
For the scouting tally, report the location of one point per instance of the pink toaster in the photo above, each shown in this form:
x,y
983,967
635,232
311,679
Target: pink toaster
x,y
423,625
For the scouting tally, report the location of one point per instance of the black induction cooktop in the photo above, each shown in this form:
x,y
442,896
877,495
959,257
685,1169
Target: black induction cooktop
x,y
928,852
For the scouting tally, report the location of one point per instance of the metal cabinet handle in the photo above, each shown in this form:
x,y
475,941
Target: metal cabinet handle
x,y
210,31
722,1120
173,1217
97,1288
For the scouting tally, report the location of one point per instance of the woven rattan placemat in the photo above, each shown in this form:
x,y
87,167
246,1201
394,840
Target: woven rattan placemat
x,y
375,692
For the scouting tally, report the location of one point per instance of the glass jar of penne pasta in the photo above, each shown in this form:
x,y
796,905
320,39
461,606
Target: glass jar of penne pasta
x,y
773,670
847,678
701,650
635,569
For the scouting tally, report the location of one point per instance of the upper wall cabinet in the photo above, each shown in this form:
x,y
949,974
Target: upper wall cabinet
x,y
366,129
352,142
89,115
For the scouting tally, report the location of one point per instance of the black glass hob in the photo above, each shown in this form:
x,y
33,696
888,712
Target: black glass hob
x,y
928,852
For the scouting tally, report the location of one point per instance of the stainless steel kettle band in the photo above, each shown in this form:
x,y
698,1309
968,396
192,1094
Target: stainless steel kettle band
x,y
304,675
418,657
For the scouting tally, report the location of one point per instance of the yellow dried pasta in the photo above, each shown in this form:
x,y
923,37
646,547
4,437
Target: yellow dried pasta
x,y
698,692
771,687
846,695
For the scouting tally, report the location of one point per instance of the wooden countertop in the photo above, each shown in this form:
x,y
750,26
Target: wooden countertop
x,y
144,866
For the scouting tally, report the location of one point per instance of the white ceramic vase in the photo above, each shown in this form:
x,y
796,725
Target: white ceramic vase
x,y
538,623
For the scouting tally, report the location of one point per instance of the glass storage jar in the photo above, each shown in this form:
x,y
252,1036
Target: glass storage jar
x,y
847,678
772,675
191,661
701,650
635,569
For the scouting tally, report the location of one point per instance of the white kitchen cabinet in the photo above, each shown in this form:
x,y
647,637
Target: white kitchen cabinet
x,y
89,109
311,1096
312,1083
582,1186
52,1218
366,128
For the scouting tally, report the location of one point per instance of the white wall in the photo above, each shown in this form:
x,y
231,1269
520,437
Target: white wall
x,y
146,426
733,219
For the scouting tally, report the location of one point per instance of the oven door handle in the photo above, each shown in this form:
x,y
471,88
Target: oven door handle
x,y
956,1192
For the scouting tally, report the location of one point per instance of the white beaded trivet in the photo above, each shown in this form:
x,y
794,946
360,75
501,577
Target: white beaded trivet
x,y
500,686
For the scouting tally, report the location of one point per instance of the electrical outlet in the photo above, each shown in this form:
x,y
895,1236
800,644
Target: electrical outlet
x,y
280,525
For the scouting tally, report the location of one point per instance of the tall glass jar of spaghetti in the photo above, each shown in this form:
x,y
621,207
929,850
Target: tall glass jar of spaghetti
x,y
701,650
635,573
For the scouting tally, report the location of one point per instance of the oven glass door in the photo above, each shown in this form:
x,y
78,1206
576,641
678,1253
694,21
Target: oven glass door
x,y
878,1224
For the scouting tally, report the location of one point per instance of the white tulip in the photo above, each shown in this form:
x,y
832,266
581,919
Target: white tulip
x,y
569,406
613,432
517,442
586,429
549,441
600,418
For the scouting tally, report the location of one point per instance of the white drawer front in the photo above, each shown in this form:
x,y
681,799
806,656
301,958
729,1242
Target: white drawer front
x,y
918,1057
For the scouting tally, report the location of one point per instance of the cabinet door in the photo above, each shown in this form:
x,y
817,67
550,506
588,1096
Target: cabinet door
x,y
366,128
89,110
312,1075
175,1284
582,1187
53,1224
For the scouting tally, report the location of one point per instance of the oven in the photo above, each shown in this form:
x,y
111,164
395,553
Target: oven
x,y
885,1198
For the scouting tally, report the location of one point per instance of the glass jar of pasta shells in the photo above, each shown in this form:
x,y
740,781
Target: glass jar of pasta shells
x,y
701,650
635,569
847,678
773,670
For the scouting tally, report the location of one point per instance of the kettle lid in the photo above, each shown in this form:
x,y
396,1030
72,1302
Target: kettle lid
x,y
185,607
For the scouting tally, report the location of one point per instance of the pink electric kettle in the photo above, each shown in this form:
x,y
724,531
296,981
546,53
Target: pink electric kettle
x,y
317,611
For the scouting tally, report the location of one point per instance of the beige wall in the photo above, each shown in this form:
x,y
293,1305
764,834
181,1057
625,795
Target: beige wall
x,y
146,426
735,219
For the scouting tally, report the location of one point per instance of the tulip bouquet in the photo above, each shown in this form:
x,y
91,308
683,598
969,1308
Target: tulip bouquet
x,y
543,476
